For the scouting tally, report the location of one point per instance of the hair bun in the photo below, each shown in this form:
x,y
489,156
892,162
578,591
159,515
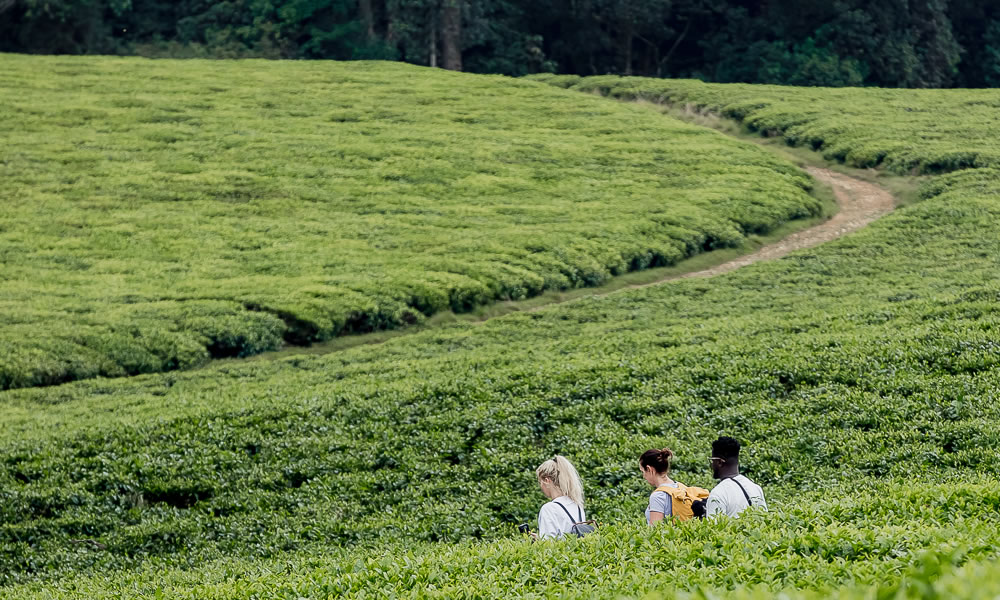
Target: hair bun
x,y
667,452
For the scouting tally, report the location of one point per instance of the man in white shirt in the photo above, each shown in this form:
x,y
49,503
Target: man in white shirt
x,y
734,492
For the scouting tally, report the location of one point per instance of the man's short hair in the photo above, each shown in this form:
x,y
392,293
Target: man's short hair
x,y
726,447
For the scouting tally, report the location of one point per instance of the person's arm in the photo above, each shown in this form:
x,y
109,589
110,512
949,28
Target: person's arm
x,y
660,505
548,525
716,505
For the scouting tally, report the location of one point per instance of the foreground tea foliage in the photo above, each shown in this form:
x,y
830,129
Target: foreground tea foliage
x,y
890,537
904,131
154,214
874,356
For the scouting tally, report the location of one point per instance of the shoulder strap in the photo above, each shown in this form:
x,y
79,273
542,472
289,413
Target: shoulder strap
x,y
671,489
568,513
676,494
745,494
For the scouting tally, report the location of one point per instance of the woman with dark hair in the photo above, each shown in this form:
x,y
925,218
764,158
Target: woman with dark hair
x,y
670,498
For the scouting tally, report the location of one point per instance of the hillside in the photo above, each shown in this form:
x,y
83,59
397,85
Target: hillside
x,y
902,131
861,375
156,214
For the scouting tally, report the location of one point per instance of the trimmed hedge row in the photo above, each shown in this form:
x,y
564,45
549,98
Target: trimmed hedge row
x,y
903,131
874,356
155,214
891,541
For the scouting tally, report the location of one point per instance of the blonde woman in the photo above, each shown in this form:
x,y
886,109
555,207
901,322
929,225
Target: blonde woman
x,y
561,484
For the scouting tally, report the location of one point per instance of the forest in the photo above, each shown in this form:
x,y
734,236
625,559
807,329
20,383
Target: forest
x,y
890,43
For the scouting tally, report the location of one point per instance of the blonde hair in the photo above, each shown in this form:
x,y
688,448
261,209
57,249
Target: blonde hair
x,y
564,477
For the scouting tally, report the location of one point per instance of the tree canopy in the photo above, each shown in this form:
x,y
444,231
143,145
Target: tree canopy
x,y
893,43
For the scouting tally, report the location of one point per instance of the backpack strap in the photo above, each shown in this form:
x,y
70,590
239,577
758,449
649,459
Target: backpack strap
x,y
675,493
565,510
671,489
745,494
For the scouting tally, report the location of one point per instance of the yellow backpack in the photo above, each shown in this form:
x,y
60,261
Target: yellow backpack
x,y
681,499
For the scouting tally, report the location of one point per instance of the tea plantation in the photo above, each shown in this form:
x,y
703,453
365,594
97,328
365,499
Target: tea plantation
x,y
903,131
154,214
862,376
870,538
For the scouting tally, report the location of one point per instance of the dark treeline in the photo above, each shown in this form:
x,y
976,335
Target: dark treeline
x,y
892,43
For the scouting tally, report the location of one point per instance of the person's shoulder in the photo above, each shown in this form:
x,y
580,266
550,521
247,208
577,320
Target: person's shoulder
x,y
658,499
559,504
717,496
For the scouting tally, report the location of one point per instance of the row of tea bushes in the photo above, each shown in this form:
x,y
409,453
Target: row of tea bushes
x,y
891,541
156,214
904,131
873,356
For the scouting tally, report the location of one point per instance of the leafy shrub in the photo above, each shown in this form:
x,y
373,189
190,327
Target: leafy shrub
x,y
367,196
871,357
923,131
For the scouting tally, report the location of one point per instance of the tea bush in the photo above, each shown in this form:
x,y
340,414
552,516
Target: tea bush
x,y
862,377
894,537
154,214
904,131
871,357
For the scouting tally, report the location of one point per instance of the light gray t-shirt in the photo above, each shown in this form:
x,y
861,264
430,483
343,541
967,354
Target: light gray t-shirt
x,y
661,502
727,498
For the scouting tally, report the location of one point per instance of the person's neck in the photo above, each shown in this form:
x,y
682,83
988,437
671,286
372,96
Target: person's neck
x,y
663,479
730,472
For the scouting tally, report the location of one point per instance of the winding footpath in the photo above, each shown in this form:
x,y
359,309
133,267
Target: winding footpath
x,y
860,203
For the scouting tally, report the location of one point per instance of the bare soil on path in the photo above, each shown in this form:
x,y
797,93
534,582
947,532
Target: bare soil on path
x,y
860,203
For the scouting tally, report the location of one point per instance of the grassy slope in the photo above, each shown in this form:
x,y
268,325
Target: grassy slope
x,y
156,213
902,131
871,358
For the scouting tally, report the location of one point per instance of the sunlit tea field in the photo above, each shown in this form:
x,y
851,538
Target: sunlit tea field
x,y
155,214
862,377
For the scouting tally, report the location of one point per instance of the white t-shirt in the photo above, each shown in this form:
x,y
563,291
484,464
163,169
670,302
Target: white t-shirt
x,y
554,522
727,498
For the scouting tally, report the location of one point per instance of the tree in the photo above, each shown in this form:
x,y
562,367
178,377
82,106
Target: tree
x,y
912,43
451,34
903,43
367,15
991,55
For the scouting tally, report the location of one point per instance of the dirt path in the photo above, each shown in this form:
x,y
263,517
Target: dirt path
x,y
860,203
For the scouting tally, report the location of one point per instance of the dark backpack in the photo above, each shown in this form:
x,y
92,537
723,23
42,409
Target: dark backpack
x,y
580,527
